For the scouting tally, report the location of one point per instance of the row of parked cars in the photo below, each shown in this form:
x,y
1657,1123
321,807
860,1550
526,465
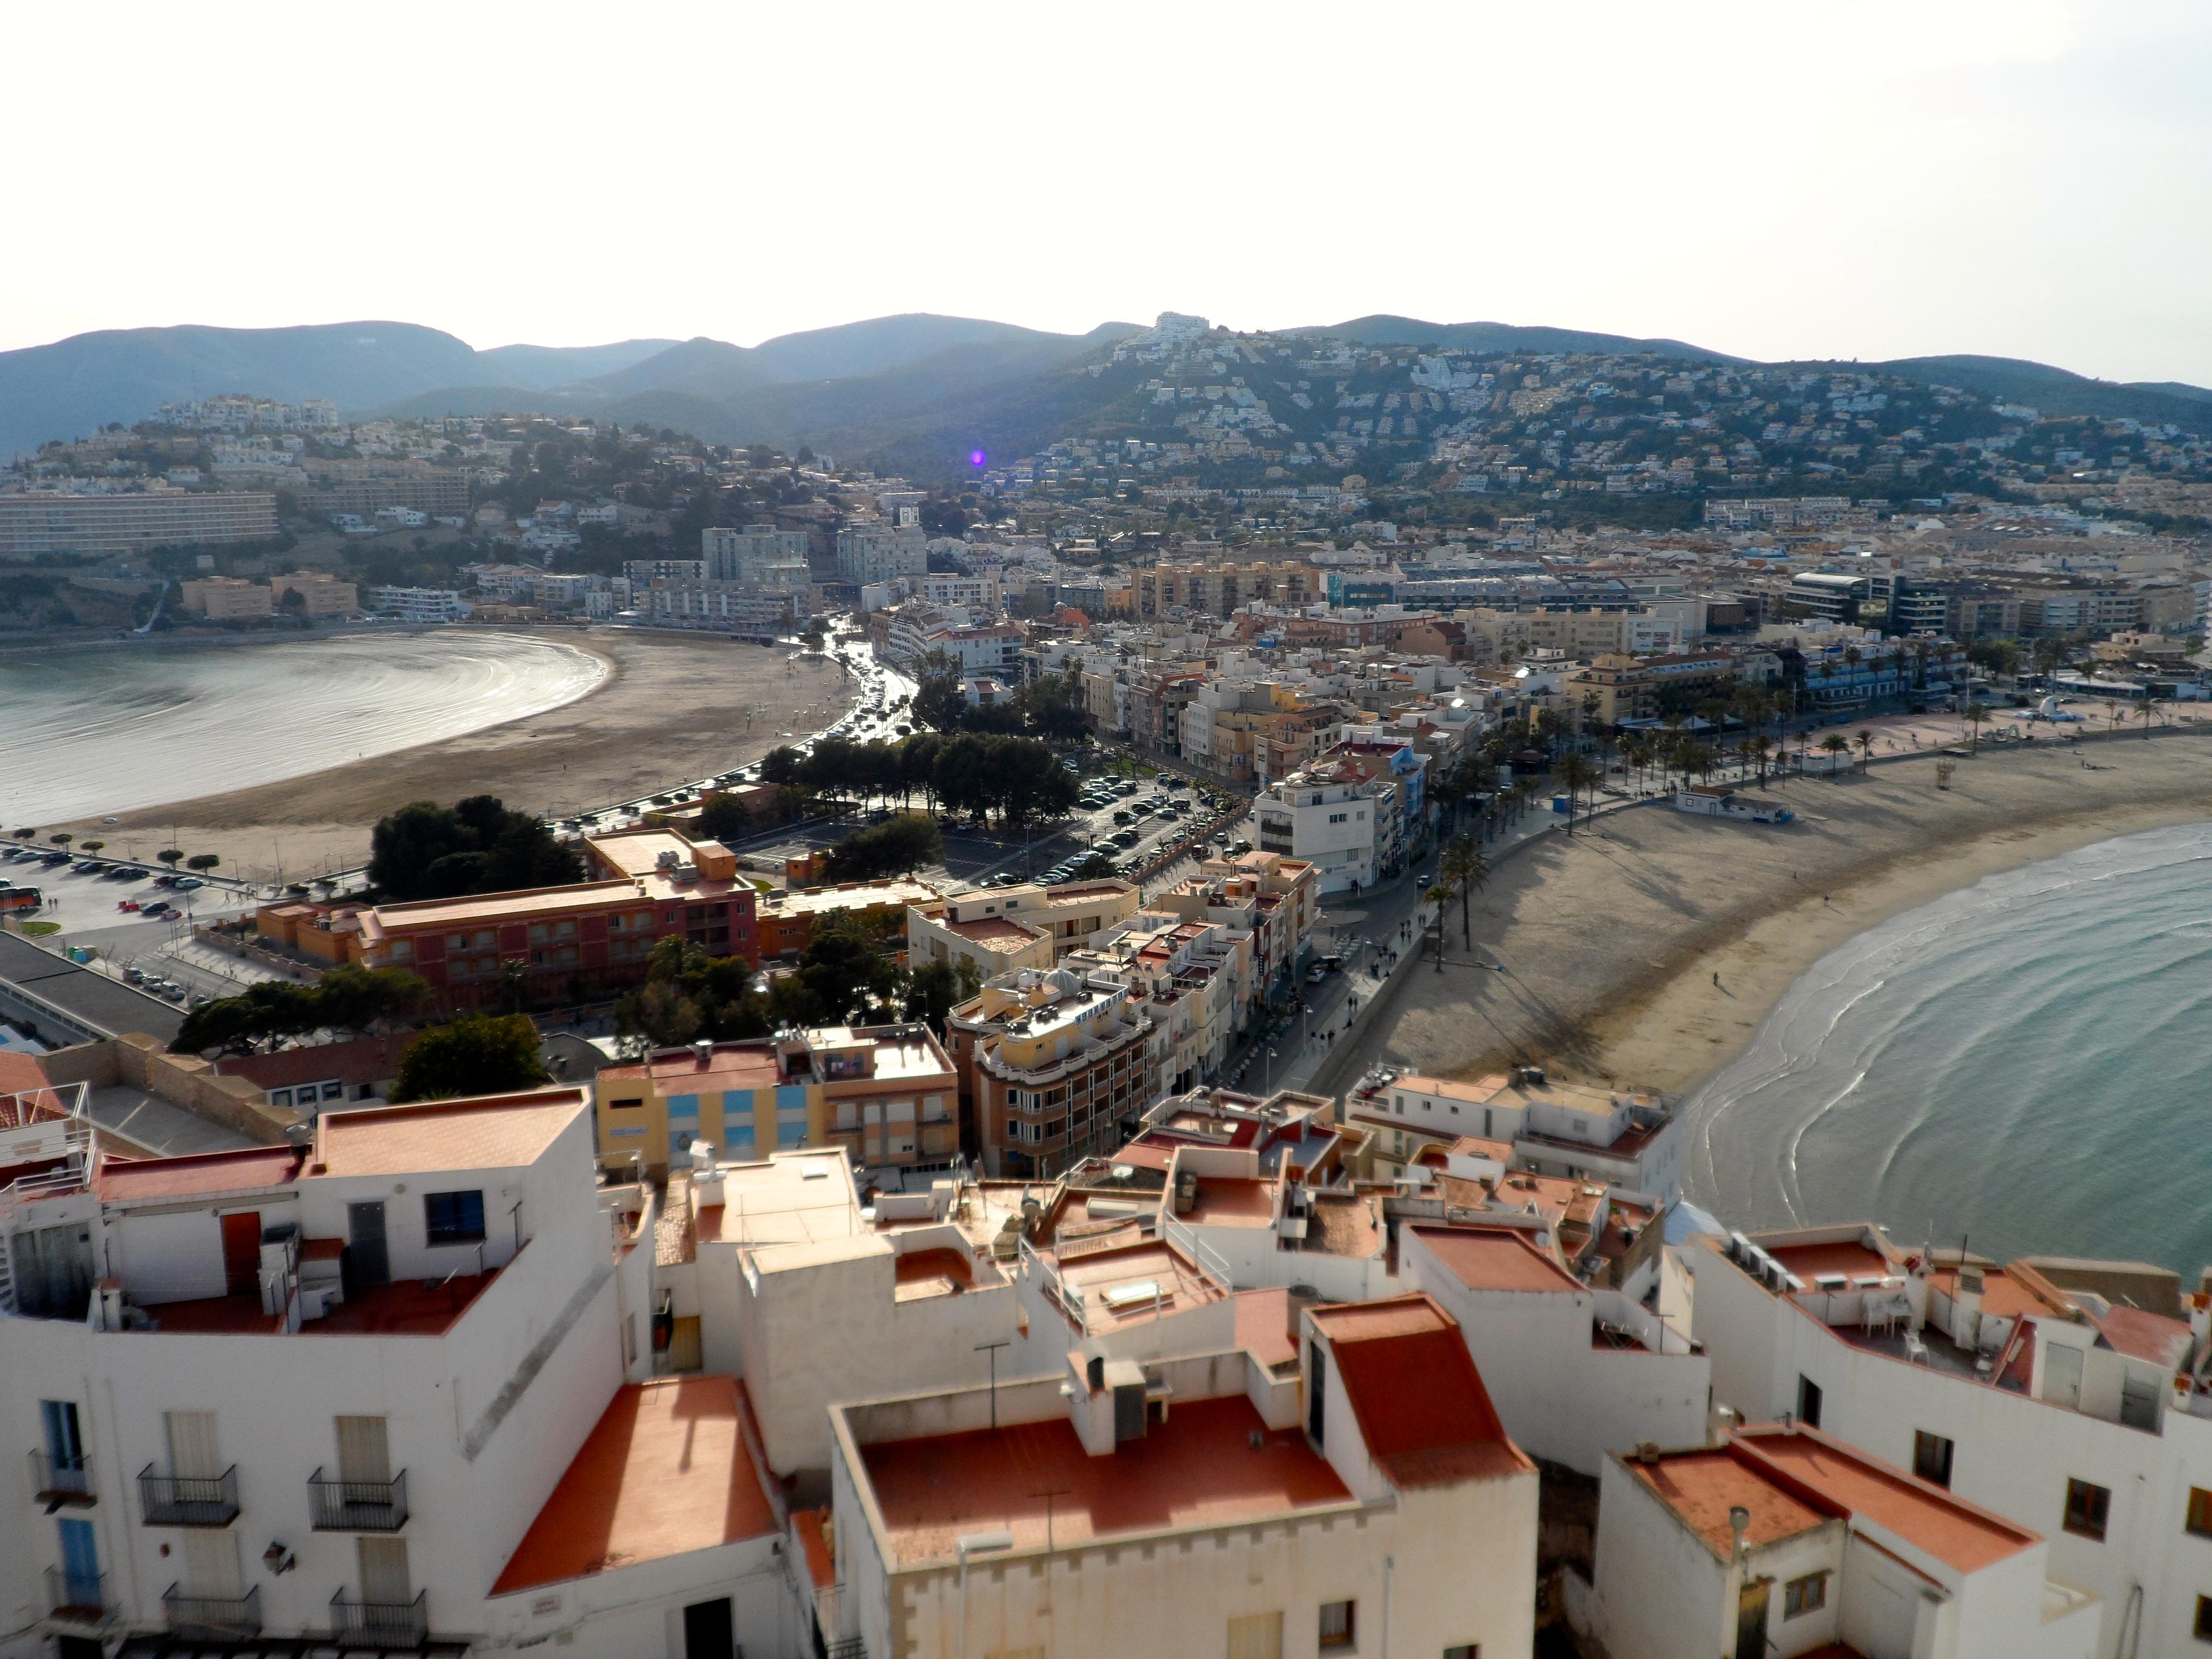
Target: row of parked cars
x,y
106,868
167,989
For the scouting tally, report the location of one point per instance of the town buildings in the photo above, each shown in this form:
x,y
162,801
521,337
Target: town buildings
x,y
999,929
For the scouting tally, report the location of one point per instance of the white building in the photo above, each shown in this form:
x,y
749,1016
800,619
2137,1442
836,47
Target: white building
x,y
1786,1541
873,552
1328,824
419,605
1209,1504
392,1384
759,556
2057,1394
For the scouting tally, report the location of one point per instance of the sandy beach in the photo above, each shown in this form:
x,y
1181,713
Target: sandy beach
x,y
675,706
1650,949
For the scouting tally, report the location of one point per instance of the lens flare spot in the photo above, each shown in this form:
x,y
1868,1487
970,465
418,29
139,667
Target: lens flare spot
x,y
976,458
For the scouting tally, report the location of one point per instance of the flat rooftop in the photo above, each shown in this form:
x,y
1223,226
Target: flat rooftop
x,y
1232,1201
663,1472
494,1132
1200,1468
1495,1259
726,1065
1263,1326
404,1307
1701,1487
1849,1256
801,1198
104,1004
822,900
118,1180
1180,1285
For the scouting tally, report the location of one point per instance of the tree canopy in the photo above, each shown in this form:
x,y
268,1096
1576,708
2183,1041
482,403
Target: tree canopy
x,y
477,1055
476,846
897,846
350,998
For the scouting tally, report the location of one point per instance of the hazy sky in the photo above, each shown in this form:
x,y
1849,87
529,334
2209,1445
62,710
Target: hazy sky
x,y
2029,178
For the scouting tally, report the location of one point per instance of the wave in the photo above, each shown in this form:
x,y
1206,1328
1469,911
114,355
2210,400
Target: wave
x,y
2011,1061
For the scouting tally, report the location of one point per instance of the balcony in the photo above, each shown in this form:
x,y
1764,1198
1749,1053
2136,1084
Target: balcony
x,y
77,1598
380,1624
172,1500
358,1505
212,1617
57,1481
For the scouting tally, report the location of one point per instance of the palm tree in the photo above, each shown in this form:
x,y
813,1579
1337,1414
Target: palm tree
x,y
2148,701
1440,895
1975,714
1836,743
1759,750
1577,774
1866,747
1461,873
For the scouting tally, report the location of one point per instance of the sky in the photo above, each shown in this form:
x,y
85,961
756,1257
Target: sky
x,y
2027,179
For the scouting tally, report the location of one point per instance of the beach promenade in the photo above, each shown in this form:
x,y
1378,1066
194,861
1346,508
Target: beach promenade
x,y
1649,945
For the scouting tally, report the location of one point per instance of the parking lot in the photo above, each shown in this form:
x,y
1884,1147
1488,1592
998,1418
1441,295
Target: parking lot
x,y
134,921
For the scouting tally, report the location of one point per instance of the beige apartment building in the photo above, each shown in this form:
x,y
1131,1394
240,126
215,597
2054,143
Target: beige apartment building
x,y
1580,635
1002,929
320,595
227,598
1216,590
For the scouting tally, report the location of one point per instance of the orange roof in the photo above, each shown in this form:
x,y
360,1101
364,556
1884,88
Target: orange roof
x,y
1263,1325
1701,1487
1422,1409
1480,1093
727,1065
984,929
1495,1259
247,1167
1198,1469
1952,1530
663,1472
813,1527
20,1074
1849,1256
488,1132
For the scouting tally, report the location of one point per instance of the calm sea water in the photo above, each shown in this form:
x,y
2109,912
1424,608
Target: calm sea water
x,y
2023,1061
114,728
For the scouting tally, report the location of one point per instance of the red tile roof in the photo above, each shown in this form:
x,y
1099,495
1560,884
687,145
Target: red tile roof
x,y
1949,1528
245,1169
1495,1259
1201,1469
1412,1384
663,1472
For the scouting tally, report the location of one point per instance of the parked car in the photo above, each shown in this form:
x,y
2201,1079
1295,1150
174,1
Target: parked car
x,y
188,883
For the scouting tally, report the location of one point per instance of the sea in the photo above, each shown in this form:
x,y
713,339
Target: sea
x,y
2021,1065
97,730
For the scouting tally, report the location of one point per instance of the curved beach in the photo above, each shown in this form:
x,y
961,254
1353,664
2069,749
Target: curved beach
x,y
670,708
1651,948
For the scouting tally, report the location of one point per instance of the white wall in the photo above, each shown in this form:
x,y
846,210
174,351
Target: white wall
x,y
2014,1453
1559,1397
1659,1592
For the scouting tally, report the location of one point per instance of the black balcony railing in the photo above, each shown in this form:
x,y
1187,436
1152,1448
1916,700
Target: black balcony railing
x,y
380,1624
358,1505
77,1598
177,1500
212,1616
59,1480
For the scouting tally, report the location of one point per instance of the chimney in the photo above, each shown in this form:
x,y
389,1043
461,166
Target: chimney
x,y
1739,1524
705,1049
1647,1453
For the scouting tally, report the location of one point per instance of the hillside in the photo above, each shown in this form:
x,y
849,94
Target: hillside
x,y
917,391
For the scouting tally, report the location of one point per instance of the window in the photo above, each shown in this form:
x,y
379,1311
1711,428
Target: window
x,y
453,1217
2201,1630
1336,1627
1465,1650
2200,1512
1806,1594
1808,1402
1931,1457
2087,1507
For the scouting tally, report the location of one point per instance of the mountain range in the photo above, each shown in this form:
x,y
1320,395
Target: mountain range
x,y
912,391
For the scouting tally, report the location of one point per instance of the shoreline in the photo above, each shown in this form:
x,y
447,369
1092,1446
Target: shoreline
x,y
669,708
1613,939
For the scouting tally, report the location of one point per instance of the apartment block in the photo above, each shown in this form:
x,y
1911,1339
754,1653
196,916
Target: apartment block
x,y
650,885
1053,1066
40,522
1000,929
758,555
887,1095
226,599
320,595
390,1390
1209,1503
877,552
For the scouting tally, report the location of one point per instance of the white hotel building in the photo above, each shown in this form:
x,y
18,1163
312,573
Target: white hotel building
x,y
391,1390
